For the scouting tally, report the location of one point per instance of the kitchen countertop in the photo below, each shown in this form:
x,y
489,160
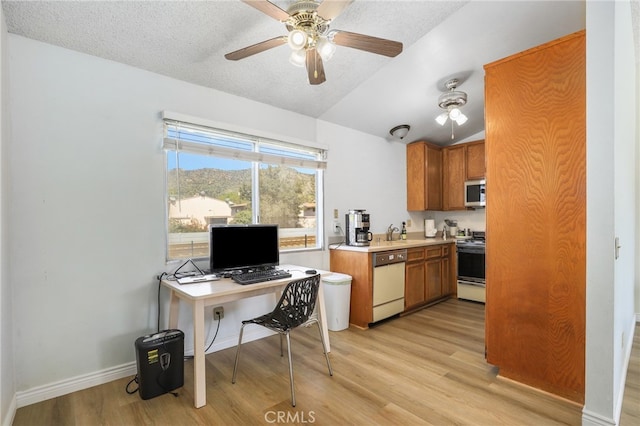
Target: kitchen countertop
x,y
394,245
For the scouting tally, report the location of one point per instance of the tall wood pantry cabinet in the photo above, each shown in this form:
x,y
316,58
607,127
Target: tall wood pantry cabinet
x,y
535,113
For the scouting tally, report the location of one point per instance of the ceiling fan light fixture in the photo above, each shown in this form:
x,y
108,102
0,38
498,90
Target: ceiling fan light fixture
x,y
461,119
400,131
325,48
298,58
307,23
451,101
297,39
442,118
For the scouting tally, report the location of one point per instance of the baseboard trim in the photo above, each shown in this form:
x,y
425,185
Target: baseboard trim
x,y
11,413
589,418
73,384
78,383
628,345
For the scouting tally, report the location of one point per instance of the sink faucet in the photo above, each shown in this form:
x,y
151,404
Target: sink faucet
x,y
390,232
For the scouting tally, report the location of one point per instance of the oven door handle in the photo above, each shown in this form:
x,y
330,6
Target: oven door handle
x,y
479,284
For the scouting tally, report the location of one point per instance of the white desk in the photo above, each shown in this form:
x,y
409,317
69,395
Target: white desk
x,y
225,290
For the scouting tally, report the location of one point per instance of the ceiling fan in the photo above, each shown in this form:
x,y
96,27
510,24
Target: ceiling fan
x,y
309,36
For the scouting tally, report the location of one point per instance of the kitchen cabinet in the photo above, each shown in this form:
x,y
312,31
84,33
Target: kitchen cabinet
x,y
535,109
428,275
415,294
433,269
449,274
460,163
475,167
359,265
454,169
424,176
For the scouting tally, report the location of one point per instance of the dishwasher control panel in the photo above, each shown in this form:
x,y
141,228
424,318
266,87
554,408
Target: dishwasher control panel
x,y
389,257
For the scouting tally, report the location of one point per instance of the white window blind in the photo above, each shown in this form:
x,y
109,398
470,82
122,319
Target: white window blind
x,y
181,136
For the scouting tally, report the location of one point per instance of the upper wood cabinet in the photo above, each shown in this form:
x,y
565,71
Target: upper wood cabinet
x,y
460,163
475,168
454,175
535,109
424,176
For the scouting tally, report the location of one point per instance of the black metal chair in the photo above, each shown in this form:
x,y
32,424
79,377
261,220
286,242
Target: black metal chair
x,y
294,309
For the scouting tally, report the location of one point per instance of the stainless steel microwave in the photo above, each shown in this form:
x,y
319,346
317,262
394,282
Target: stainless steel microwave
x,y
474,193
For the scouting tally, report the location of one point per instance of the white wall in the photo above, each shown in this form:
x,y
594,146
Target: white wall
x,y
7,378
611,206
86,140
364,172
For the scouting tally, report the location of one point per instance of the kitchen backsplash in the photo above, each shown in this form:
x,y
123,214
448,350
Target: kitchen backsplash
x,y
473,219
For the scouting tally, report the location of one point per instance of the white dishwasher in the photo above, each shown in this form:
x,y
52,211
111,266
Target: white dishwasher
x,y
388,283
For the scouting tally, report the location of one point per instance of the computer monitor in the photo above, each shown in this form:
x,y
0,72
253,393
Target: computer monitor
x,y
243,247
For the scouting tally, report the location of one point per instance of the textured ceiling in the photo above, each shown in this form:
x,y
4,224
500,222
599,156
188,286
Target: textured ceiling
x,y
187,40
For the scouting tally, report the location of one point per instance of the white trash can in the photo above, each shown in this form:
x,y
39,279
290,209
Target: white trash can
x,y
337,297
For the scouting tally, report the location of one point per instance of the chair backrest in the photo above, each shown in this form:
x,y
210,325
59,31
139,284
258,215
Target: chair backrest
x,y
297,302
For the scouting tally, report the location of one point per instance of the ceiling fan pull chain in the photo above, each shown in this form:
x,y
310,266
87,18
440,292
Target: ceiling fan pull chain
x,y
315,66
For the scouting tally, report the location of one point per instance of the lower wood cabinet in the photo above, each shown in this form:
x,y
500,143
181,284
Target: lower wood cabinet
x,y
414,278
428,278
428,275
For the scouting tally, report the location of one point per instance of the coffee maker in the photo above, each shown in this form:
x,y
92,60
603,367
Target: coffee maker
x,y
357,228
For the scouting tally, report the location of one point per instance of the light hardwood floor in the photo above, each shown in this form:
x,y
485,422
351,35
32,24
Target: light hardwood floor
x,y
424,368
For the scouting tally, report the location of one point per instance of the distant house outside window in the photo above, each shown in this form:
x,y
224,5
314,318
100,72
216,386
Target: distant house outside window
x,y
218,177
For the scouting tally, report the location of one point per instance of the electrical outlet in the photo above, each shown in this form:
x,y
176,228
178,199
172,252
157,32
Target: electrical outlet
x,y
218,313
336,226
408,223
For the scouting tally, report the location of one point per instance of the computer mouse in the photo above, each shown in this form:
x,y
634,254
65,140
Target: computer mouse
x,y
311,271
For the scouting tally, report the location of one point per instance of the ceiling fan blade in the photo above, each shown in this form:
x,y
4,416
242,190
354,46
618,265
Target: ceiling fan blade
x,y
268,8
330,9
367,43
256,48
315,68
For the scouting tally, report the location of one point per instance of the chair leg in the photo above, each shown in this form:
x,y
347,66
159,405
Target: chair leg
x,y
235,364
293,392
281,353
324,347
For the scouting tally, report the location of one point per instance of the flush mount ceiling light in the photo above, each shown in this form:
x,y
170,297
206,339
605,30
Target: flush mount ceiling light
x,y
309,37
400,131
451,102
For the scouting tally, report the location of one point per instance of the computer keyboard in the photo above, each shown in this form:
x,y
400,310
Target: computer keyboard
x,y
260,276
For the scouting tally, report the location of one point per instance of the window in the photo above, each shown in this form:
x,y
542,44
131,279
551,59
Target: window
x,y
216,176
